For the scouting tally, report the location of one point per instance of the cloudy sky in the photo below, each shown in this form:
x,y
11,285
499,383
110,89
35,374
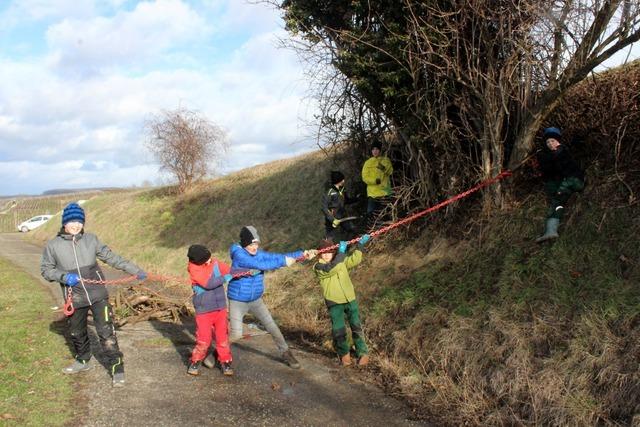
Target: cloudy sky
x,y
78,79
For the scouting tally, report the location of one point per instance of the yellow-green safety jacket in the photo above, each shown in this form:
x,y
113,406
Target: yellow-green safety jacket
x,y
377,168
334,277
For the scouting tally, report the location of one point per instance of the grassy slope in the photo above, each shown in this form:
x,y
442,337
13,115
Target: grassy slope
x,y
14,211
472,322
33,392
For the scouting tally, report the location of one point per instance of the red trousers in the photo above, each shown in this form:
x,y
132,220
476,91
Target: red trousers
x,y
206,325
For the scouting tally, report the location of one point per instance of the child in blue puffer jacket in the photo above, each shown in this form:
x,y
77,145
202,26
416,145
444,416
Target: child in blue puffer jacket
x,y
245,293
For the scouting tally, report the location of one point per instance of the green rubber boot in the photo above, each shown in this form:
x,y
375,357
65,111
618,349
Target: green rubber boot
x,y
550,231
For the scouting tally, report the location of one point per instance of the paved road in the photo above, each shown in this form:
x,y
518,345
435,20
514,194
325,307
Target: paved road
x,y
264,392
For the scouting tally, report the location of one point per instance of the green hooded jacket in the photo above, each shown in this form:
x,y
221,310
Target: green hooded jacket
x,y
334,277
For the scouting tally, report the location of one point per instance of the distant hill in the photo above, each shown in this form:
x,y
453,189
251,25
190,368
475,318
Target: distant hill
x,y
78,190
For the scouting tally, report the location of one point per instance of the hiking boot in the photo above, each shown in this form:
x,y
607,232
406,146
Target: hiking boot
x,y
345,360
226,369
194,368
290,360
550,230
77,366
209,361
118,379
364,360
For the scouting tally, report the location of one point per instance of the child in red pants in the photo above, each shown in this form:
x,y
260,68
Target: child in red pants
x,y
208,276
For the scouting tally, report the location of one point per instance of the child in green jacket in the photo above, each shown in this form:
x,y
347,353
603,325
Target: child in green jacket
x,y
333,272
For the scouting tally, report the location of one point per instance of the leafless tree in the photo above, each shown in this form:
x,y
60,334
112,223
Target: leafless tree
x,y
186,144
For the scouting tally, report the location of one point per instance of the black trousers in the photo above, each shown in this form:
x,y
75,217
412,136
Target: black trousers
x,y
102,318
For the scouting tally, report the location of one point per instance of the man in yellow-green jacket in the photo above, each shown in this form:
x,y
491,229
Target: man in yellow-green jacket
x,y
376,173
332,270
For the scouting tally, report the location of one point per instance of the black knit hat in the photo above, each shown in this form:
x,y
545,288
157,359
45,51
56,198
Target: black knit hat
x,y
198,254
336,177
248,235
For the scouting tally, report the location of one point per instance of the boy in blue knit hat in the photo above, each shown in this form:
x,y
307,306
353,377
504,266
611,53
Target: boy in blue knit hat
x,y
70,259
562,177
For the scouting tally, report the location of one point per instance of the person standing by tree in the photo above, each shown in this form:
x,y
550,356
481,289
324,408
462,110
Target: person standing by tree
x,y
562,177
333,207
376,173
70,258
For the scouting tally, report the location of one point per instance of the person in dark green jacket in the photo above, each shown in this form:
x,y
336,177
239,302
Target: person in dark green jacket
x,y
332,270
333,207
562,177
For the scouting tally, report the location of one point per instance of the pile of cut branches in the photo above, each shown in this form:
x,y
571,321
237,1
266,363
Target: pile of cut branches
x,y
134,304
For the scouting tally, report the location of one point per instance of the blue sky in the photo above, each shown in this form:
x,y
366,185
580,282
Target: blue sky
x,y
79,79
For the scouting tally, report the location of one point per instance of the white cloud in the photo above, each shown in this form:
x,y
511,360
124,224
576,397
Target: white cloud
x,y
237,15
48,118
37,10
128,38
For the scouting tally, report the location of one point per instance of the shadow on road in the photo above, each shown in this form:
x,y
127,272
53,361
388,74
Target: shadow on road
x,y
59,327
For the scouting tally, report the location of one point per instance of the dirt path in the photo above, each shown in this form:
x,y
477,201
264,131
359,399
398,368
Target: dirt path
x,y
263,392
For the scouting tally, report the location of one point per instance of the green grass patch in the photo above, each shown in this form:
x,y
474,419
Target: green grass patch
x,y
588,268
33,391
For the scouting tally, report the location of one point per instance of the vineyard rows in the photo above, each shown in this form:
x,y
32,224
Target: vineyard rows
x,y
14,211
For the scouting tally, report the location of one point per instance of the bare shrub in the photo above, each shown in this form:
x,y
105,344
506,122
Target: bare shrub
x,y
186,144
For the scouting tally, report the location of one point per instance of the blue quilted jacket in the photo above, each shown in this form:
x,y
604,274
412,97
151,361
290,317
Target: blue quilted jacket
x,y
250,288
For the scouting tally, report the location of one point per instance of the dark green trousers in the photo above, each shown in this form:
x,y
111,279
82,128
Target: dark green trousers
x,y
558,193
338,313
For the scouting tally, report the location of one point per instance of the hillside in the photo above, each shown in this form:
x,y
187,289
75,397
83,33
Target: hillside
x,y
468,319
15,209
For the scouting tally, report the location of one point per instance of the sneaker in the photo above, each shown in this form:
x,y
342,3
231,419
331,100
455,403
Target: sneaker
x,y
194,368
364,360
118,379
77,366
209,361
345,360
290,360
226,369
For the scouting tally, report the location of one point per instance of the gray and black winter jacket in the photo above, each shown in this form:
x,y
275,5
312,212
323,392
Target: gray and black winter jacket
x,y
78,254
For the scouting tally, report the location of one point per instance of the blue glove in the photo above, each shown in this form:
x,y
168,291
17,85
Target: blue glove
x,y
71,279
342,248
364,239
227,278
141,275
